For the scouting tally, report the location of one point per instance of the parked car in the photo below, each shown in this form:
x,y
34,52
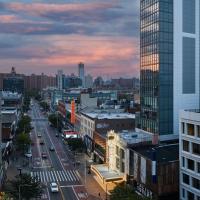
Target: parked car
x,y
54,187
57,135
44,155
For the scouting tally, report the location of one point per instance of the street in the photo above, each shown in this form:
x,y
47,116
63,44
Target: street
x,y
53,165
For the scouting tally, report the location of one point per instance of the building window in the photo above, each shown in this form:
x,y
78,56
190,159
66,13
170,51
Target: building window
x,y
198,131
183,161
190,164
185,145
183,127
183,193
123,168
196,148
190,128
117,150
186,179
117,163
190,196
198,167
122,155
196,183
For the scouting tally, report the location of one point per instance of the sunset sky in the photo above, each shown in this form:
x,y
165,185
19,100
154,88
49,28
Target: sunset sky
x,y
46,35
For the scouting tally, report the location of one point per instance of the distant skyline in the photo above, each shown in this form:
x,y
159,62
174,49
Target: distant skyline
x,y
44,36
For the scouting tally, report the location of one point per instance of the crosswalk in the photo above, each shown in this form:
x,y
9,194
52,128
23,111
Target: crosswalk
x,y
56,176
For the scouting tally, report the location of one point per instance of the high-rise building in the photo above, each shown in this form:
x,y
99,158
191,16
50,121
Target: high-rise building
x,y
189,154
169,63
60,79
13,82
81,71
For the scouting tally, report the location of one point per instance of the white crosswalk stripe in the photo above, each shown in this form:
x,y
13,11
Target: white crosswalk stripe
x,y
56,176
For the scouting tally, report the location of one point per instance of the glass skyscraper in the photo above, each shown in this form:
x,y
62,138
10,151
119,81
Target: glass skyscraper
x,y
156,66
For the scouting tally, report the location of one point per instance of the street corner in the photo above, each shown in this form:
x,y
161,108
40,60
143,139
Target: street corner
x,y
81,192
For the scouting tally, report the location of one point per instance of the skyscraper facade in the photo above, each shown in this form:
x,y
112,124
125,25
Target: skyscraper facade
x,y
169,72
81,71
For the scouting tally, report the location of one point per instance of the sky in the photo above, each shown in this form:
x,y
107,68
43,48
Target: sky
x,y
46,35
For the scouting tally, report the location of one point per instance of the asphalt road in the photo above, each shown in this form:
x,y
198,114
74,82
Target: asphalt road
x,y
57,166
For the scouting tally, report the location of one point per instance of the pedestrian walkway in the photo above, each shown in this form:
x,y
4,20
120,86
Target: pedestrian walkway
x,y
56,176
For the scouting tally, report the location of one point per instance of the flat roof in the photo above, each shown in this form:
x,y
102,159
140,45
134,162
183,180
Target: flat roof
x,y
164,153
133,137
109,115
105,173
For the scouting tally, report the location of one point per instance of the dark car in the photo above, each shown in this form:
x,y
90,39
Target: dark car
x,y
41,142
57,135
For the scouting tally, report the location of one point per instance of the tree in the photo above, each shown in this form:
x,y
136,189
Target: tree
x,y
56,121
124,192
24,186
44,105
75,144
24,124
23,142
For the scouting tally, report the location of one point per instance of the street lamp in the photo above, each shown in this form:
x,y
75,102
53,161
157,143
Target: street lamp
x,y
26,185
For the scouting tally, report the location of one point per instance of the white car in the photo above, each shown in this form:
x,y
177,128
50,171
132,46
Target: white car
x,y
54,187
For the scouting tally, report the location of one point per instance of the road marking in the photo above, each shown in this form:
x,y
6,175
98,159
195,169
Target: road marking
x,y
67,186
75,192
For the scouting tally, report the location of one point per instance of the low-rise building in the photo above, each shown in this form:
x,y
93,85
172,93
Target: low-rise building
x,y
154,170
103,121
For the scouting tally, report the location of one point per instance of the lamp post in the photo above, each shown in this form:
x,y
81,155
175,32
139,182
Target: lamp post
x,y
26,185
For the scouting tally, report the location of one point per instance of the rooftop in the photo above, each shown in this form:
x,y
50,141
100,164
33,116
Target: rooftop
x,y
10,95
132,137
164,153
108,115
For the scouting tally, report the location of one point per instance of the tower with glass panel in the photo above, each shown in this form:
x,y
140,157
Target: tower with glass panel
x,y
169,63
156,66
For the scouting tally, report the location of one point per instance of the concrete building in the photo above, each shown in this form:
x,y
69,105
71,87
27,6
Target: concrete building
x,y
81,72
103,121
88,81
169,64
189,154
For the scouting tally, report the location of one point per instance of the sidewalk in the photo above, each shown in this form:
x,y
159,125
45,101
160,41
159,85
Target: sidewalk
x,y
92,187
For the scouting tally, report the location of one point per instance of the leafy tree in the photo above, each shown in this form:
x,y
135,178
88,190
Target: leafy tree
x,y
124,192
24,124
25,186
44,105
56,121
4,196
76,144
23,142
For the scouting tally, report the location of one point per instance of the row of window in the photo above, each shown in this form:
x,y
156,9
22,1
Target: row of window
x,y
189,195
195,147
190,164
195,183
190,129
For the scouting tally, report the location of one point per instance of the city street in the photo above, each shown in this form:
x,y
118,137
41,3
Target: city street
x,y
51,162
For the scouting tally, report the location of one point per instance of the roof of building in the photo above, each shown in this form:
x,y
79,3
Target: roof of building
x,y
164,153
108,114
10,95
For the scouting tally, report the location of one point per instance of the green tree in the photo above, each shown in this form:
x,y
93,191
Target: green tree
x,y
44,105
56,121
23,142
124,192
75,144
24,124
24,186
